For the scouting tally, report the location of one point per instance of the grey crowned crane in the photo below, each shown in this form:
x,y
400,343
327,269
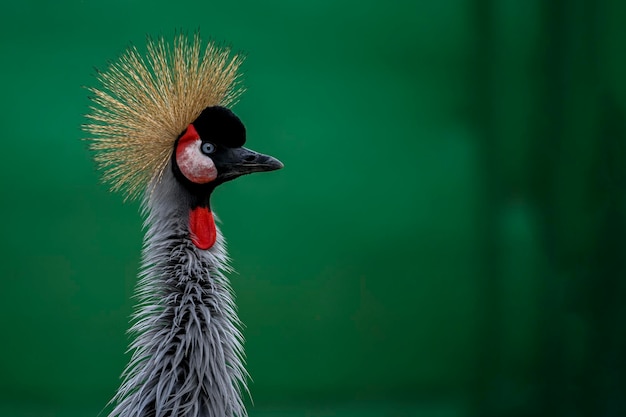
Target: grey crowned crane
x,y
161,129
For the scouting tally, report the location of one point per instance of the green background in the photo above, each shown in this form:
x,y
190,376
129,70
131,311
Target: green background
x,y
447,238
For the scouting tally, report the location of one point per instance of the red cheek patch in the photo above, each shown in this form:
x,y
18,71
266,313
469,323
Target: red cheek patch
x,y
195,166
202,227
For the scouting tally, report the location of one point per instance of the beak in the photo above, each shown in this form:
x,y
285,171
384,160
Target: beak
x,y
241,161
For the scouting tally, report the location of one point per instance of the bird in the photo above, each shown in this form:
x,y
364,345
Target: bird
x,y
161,129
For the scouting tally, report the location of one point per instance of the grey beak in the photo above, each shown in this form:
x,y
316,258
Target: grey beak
x,y
241,161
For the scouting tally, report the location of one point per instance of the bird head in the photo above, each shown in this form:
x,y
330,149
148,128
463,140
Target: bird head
x,y
170,109
210,152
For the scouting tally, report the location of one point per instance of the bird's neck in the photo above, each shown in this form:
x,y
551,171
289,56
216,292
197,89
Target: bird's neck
x,y
187,358
197,196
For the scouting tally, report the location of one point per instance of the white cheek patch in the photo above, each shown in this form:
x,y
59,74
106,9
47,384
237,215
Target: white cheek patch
x,y
195,166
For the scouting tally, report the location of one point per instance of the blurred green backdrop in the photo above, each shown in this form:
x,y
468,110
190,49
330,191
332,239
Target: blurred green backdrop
x,y
448,237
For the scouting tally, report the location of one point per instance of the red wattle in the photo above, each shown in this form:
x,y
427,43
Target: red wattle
x,y
202,227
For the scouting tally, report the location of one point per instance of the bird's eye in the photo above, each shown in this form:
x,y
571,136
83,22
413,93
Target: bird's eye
x,y
208,148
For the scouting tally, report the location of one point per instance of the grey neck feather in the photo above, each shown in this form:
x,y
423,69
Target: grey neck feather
x,y
187,354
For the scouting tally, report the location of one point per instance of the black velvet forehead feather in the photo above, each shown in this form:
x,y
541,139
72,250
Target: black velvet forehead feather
x,y
219,125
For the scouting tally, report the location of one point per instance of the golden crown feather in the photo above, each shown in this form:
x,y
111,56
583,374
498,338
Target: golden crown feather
x,y
143,105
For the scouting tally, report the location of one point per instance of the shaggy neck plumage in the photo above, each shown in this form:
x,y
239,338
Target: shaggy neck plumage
x,y
187,355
